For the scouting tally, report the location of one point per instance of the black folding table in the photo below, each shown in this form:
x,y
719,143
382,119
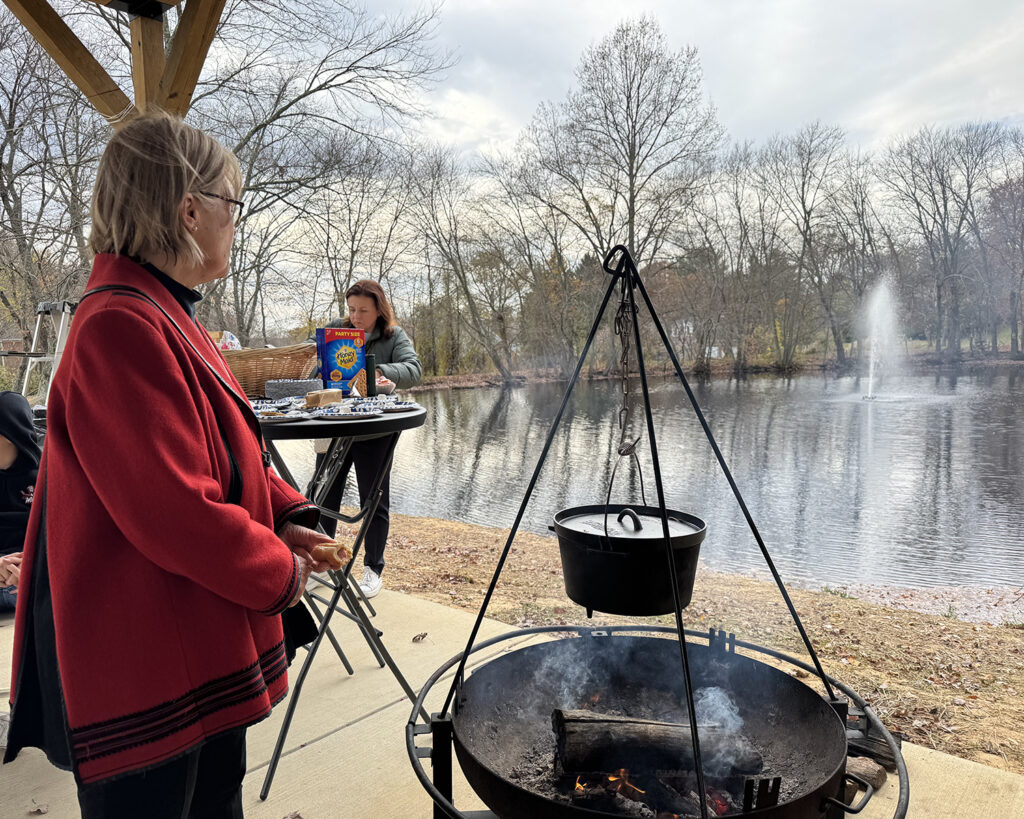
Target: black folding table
x,y
342,432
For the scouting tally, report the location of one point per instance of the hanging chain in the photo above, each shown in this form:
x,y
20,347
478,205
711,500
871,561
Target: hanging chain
x,y
624,318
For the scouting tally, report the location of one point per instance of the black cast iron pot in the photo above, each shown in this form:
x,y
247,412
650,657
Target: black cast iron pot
x,y
614,558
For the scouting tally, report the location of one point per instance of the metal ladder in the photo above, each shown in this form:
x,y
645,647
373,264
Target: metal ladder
x,y
59,314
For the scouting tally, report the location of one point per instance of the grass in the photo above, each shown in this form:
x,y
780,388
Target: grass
x,y
836,592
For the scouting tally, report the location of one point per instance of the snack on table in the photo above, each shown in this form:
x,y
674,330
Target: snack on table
x,y
321,398
358,382
341,353
336,555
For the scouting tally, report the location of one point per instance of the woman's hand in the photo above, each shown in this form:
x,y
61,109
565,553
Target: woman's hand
x,y
385,385
10,569
302,540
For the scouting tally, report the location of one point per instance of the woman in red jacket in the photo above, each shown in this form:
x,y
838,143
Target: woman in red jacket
x,y
161,548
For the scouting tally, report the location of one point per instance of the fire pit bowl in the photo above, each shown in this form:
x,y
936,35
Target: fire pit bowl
x,y
505,745
626,570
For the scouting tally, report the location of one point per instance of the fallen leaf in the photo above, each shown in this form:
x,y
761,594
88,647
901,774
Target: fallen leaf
x,y
40,807
416,638
294,815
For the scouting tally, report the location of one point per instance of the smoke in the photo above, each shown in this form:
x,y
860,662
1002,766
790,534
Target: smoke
x,y
559,680
715,707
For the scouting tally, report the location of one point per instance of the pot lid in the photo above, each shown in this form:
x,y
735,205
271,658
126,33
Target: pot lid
x,y
590,520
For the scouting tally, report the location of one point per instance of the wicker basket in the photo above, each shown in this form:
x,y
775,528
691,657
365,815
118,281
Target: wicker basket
x,y
253,368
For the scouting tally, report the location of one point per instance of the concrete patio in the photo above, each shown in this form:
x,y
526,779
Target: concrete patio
x,y
346,757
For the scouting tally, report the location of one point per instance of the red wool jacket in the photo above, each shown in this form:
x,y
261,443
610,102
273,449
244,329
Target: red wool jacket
x,y
164,594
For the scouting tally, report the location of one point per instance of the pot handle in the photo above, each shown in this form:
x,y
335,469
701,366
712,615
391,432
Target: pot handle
x,y
627,512
868,788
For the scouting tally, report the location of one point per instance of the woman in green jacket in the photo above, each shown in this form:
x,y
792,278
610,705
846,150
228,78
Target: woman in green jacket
x,y
397,362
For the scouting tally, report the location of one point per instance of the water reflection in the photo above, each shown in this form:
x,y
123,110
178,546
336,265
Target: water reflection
x,y
918,487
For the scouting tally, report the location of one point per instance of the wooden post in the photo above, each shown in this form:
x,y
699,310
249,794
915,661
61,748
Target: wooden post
x,y
74,59
159,79
148,60
189,48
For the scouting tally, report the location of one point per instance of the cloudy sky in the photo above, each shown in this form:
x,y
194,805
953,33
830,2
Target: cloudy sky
x,y
875,68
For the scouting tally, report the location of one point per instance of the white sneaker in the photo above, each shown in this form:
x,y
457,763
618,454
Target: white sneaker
x,y
371,582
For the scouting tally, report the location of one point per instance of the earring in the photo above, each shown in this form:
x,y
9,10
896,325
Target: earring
x,y
195,228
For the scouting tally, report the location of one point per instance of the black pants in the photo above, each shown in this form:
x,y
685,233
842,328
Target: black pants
x,y
367,457
203,784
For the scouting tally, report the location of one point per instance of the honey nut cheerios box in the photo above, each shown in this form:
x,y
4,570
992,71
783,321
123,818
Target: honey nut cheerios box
x,y
341,354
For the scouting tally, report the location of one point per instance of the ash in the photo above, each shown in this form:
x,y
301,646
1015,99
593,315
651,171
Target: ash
x,y
535,770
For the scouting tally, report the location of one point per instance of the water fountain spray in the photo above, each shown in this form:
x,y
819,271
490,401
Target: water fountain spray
x,y
883,334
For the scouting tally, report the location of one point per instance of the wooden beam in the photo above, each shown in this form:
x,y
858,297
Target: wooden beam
x,y
74,59
148,61
189,48
132,6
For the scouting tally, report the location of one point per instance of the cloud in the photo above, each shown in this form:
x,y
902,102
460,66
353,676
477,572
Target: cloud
x,y
875,68
974,80
470,121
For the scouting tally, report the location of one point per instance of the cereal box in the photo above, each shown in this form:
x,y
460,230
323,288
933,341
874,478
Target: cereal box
x,y
342,356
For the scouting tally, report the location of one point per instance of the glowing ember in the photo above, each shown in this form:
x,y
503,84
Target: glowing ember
x,y
617,782
718,802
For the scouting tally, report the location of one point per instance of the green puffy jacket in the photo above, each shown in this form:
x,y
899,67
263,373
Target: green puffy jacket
x,y
396,358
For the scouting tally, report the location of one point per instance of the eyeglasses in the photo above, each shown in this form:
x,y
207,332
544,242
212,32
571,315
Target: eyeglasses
x,y
241,205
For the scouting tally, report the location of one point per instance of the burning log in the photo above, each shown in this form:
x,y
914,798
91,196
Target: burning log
x,y
618,793
590,741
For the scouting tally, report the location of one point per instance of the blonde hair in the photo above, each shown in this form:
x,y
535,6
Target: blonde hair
x,y
144,173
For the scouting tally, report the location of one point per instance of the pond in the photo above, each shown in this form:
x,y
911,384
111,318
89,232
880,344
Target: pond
x,y
921,486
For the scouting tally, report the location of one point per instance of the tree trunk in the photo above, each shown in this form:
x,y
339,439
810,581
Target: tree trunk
x,y
1014,323
837,338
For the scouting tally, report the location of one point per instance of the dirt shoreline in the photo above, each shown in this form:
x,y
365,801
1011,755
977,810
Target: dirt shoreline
x,y
923,362
942,680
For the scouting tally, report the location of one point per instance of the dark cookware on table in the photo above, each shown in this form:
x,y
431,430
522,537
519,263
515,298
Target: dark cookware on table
x,y
614,558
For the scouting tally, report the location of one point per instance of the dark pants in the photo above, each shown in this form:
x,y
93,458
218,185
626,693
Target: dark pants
x,y
205,783
367,457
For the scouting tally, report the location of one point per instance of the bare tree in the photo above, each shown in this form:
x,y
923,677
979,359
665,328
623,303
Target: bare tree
x,y
282,82
864,244
800,171
49,144
933,177
358,221
622,157
1004,236
538,246
444,202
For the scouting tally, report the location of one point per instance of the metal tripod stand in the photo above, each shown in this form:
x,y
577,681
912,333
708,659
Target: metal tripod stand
x,y
620,265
